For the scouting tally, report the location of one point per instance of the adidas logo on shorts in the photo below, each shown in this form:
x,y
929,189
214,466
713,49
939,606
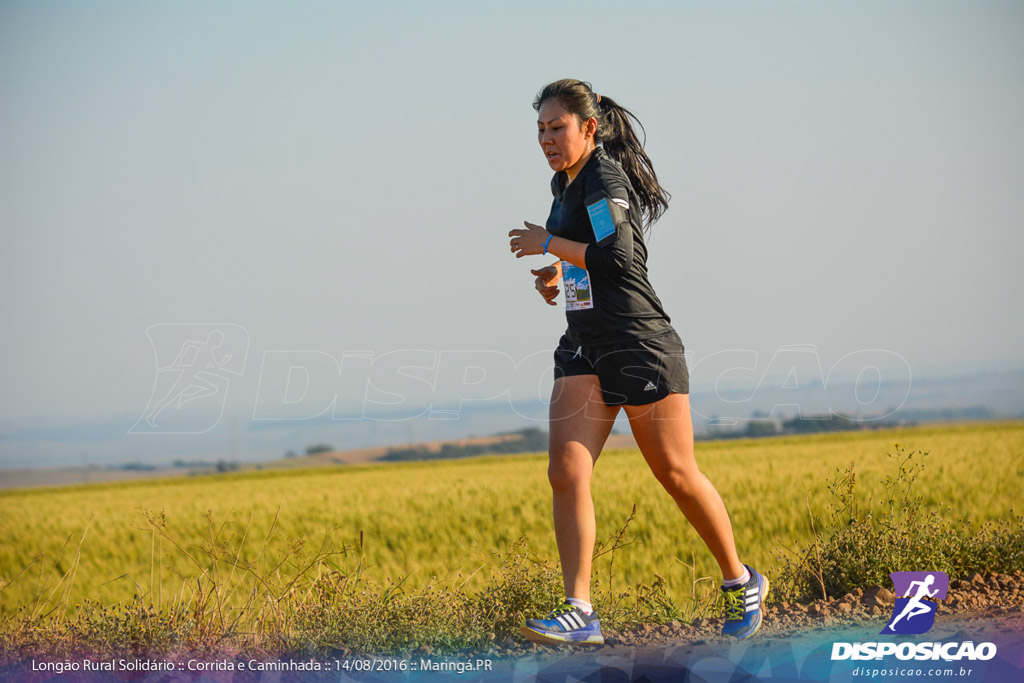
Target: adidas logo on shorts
x,y
650,387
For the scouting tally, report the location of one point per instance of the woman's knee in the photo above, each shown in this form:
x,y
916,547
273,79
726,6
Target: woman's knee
x,y
680,481
569,469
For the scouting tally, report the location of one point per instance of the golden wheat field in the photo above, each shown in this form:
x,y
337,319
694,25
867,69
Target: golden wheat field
x,y
440,518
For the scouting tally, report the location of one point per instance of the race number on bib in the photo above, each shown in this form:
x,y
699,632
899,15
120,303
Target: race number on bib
x,y
576,282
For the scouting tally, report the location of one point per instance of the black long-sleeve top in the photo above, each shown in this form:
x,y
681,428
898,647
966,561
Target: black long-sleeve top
x,y
617,302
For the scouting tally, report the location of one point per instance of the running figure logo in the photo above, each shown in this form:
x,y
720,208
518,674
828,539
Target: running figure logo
x,y
194,364
914,612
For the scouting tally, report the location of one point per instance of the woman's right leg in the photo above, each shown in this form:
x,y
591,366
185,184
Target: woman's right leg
x,y
580,424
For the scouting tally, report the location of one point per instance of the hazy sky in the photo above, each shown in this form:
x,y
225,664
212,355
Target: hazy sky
x,y
333,177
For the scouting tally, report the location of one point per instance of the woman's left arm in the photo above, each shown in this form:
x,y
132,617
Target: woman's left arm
x,y
532,240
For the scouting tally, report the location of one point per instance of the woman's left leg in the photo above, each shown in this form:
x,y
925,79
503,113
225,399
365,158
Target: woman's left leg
x,y
664,432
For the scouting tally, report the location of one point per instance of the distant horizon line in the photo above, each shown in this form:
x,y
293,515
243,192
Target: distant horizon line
x,y
51,419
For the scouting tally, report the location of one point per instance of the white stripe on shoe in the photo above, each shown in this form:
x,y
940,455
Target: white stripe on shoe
x,y
753,599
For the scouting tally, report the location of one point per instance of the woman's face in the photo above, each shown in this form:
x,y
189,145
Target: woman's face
x,y
566,144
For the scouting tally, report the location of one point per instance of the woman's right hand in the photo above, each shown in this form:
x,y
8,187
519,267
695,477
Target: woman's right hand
x,y
545,282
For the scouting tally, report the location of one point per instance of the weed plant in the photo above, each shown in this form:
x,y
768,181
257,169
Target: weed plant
x,y
853,547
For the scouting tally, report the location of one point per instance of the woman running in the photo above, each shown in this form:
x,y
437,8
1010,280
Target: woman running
x,y
619,351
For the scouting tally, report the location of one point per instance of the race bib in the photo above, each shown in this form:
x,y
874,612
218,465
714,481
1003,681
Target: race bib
x,y
576,283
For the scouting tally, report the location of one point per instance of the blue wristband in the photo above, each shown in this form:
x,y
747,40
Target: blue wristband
x,y
546,243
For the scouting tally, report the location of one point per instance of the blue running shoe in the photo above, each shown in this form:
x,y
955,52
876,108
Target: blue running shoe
x,y
743,605
567,624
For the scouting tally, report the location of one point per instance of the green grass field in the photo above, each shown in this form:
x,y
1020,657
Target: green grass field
x,y
437,519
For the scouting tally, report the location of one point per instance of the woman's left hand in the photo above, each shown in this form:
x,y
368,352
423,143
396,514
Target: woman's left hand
x,y
529,241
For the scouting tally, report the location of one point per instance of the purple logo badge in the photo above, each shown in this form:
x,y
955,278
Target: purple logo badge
x,y
914,611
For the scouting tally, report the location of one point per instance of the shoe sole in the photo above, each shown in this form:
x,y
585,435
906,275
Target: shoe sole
x,y
552,639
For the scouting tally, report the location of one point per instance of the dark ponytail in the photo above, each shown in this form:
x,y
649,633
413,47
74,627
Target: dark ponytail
x,y
615,132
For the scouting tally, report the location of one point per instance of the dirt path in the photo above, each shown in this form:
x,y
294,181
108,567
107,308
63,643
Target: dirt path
x,y
966,599
796,641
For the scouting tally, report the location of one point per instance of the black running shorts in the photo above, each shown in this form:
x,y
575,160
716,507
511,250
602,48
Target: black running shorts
x,y
632,373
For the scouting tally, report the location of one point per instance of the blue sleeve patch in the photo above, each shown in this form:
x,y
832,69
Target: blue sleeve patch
x,y
601,219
